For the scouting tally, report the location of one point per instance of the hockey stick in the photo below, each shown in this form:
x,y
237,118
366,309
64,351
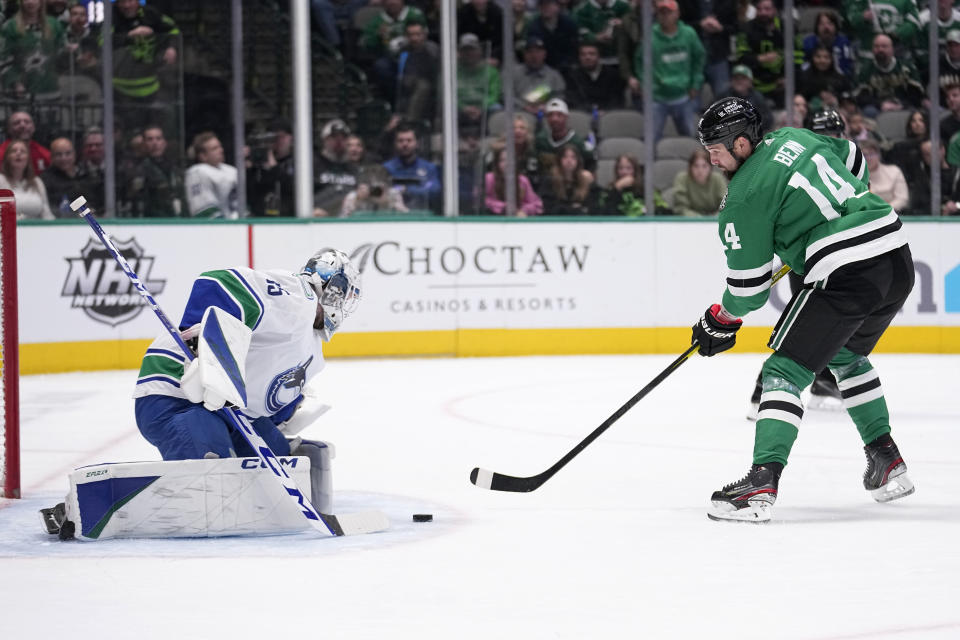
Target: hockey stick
x,y
327,524
501,482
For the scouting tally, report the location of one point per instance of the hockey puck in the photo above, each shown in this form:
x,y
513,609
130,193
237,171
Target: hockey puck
x,y
423,517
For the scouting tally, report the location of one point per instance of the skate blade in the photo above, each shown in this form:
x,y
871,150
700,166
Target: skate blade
x,y
824,403
756,511
897,487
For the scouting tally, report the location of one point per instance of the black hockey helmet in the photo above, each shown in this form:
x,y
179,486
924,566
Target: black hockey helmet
x,y
825,121
728,119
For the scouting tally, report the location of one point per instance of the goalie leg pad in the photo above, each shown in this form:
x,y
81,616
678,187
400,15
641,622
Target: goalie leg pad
x,y
321,456
184,498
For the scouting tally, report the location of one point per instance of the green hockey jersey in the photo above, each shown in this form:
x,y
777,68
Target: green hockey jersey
x,y
801,197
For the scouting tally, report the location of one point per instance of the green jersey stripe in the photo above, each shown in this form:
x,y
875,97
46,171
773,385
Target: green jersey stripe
x,y
798,304
154,365
250,307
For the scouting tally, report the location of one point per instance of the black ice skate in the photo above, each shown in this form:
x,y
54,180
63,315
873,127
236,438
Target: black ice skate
x,y
749,499
886,475
825,394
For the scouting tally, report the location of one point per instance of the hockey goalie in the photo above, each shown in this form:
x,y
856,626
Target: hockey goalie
x,y
257,337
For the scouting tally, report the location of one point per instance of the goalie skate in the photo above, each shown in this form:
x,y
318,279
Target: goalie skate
x,y
886,476
750,499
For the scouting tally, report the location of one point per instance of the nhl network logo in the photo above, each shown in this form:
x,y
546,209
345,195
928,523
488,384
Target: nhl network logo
x,y
97,284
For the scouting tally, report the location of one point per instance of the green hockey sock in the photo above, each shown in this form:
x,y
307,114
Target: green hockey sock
x,y
862,394
780,409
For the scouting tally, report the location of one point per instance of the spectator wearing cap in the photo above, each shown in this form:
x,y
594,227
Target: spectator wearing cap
x,y
591,85
826,33
820,83
558,134
417,179
478,83
598,20
534,82
20,127
741,86
678,61
558,32
949,66
335,175
484,19
887,83
270,177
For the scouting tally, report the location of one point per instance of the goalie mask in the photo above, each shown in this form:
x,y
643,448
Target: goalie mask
x,y
337,283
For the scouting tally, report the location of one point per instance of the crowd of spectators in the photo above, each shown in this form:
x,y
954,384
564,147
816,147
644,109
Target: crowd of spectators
x,y
574,63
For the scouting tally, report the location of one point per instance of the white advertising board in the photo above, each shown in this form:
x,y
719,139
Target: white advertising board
x,y
479,275
433,275
71,289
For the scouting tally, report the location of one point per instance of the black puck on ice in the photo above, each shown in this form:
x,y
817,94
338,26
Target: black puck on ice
x,y
423,517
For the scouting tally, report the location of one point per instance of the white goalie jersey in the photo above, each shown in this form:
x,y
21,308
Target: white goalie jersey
x,y
285,350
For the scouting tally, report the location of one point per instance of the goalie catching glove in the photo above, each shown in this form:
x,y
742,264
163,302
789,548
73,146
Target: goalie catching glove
x,y
716,331
216,377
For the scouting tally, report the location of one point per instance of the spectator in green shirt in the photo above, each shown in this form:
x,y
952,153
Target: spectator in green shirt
x,y
31,42
478,83
678,60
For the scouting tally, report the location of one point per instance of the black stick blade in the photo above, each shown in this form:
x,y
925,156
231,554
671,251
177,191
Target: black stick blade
x,y
499,482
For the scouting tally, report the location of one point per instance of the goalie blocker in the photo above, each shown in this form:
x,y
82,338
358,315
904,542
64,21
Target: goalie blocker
x,y
190,498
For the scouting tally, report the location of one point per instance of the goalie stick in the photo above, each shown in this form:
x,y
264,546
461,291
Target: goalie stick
x,y
523,484
324,523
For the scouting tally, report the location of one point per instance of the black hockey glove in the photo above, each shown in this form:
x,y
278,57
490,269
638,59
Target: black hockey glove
x,y
713,334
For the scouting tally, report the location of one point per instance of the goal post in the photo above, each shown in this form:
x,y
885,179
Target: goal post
x,y
9,351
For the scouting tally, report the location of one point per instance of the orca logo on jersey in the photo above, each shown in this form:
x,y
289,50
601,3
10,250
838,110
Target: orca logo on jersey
x,y
286,386
97,284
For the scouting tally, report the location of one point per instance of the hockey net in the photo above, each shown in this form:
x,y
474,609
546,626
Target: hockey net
x,y
9,351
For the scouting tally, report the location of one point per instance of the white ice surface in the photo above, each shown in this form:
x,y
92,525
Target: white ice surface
x,y
616,545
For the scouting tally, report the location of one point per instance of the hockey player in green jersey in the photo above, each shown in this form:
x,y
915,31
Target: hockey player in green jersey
x,y
800,197
824,393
